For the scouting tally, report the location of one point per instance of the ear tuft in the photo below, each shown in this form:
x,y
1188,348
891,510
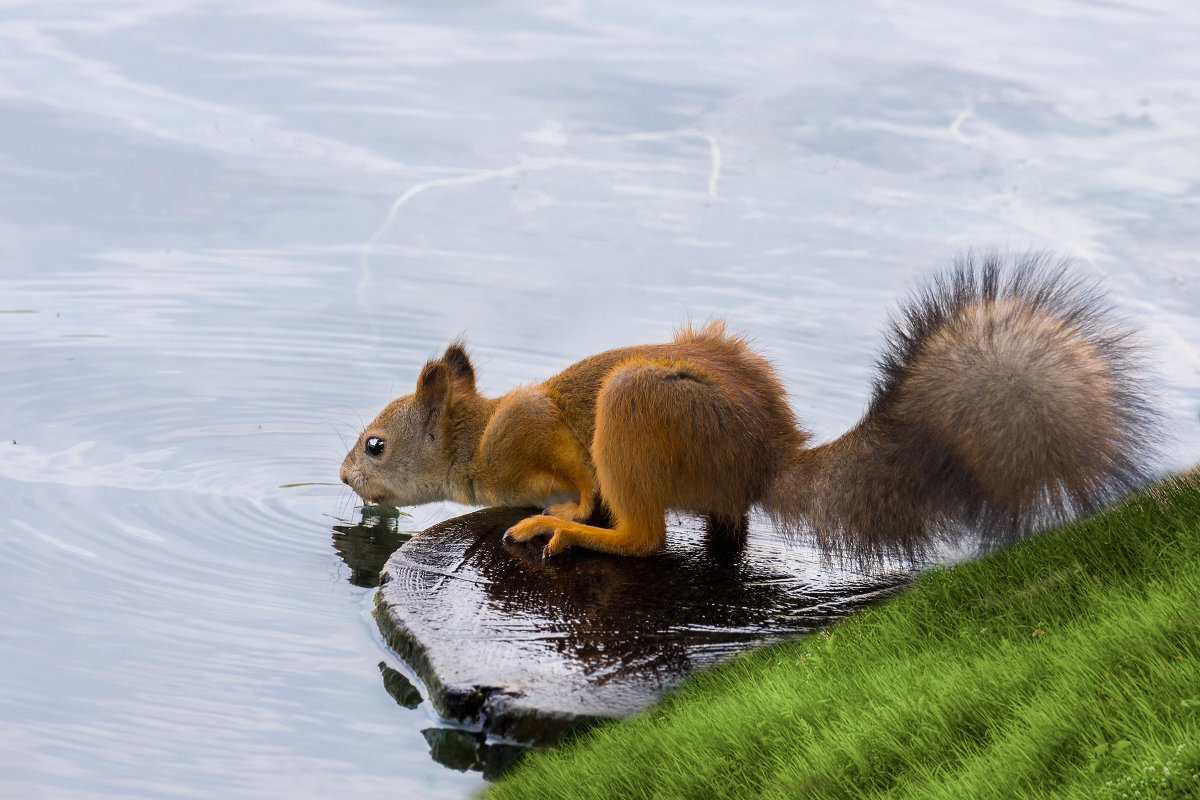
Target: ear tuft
x,y
459,363
433,387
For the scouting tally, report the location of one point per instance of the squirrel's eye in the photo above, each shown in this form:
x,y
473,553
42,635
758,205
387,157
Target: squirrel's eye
x,y
374,446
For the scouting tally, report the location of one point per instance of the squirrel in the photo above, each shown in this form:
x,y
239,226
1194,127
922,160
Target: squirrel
x,y
1009,397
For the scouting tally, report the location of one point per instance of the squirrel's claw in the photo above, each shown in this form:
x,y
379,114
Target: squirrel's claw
x,y
531,527
556,545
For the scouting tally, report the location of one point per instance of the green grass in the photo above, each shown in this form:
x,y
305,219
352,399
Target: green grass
x,y
1065,666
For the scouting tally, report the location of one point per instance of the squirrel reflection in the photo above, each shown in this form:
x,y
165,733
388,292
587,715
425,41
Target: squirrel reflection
x,y
366,546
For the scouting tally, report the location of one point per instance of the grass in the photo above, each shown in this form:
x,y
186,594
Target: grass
x,y
1065,666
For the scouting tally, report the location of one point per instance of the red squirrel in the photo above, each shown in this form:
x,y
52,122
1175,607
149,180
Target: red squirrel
x,y
1009,397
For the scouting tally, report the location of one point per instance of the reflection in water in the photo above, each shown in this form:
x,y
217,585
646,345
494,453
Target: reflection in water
x,y
399,687
464,750
365,546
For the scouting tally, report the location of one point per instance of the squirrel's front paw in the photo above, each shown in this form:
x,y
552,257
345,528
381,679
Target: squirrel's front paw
x,y
530,527
557,543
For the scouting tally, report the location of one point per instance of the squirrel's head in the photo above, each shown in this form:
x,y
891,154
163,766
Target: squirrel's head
x,y
403,457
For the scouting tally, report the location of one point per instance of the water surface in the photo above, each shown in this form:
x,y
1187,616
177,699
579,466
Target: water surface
x,y
230,231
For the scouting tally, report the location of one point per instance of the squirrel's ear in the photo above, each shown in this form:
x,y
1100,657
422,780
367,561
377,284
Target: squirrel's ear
x,y
459,362
433,387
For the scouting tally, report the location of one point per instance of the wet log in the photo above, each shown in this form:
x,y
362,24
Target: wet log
x,y
525,650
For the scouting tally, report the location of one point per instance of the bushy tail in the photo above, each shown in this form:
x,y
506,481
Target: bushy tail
x,y
1010,397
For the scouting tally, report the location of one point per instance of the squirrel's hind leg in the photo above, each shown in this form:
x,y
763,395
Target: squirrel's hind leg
x,y
639,524
726,533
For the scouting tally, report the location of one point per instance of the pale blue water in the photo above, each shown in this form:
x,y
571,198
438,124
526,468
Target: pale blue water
x,y
232,228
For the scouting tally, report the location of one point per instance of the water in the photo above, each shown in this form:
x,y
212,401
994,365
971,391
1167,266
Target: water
x,y
229,230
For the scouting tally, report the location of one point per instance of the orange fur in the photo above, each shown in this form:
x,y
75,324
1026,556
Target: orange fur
x,y
1006,400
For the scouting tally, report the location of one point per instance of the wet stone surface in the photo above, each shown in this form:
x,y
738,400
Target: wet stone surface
x,y
524,650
